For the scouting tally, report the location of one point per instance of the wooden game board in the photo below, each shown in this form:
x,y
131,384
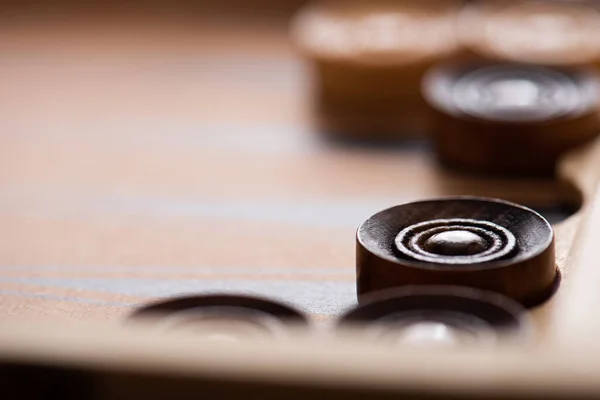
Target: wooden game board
x,y
144,157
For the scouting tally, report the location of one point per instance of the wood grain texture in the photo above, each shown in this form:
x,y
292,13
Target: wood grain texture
x,y
157,144
520,262
134,154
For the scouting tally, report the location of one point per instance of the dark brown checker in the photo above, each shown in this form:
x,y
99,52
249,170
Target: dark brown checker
x,y
465,241
438,316
510,118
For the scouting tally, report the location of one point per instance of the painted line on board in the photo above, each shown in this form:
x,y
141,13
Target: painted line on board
x,y
125,135
327,298
160,269
65,298
332,213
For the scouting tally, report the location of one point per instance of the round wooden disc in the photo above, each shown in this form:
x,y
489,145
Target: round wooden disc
x,y
221,317
369,58
468,241
438,315
376,33
510,118
537,32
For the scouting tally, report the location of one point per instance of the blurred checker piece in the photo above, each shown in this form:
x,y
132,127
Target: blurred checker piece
x,y
440,316
467,241
369,58
553,33
225,318
510,118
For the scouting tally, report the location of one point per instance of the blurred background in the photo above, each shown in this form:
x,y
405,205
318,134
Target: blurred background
x,y
154,148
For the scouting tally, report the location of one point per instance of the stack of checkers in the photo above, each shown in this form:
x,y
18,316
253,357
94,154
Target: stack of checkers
x,y
369,57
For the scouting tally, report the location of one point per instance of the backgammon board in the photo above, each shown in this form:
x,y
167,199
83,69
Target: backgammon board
x,y
150,155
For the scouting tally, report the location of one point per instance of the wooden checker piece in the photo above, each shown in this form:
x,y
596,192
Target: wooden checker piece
x,y
368,60
79,248
510,118
438,316
222,317
468,241
559,33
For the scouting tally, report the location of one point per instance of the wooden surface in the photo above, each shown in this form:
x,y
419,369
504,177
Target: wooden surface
x,y
136,154
147,157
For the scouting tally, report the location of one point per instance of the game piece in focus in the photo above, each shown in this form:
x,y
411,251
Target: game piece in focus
x,y
222,317
441,316
368,59
510,118
466,241
557,33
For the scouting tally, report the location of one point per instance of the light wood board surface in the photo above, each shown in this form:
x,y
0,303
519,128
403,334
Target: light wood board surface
x,y
146,158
